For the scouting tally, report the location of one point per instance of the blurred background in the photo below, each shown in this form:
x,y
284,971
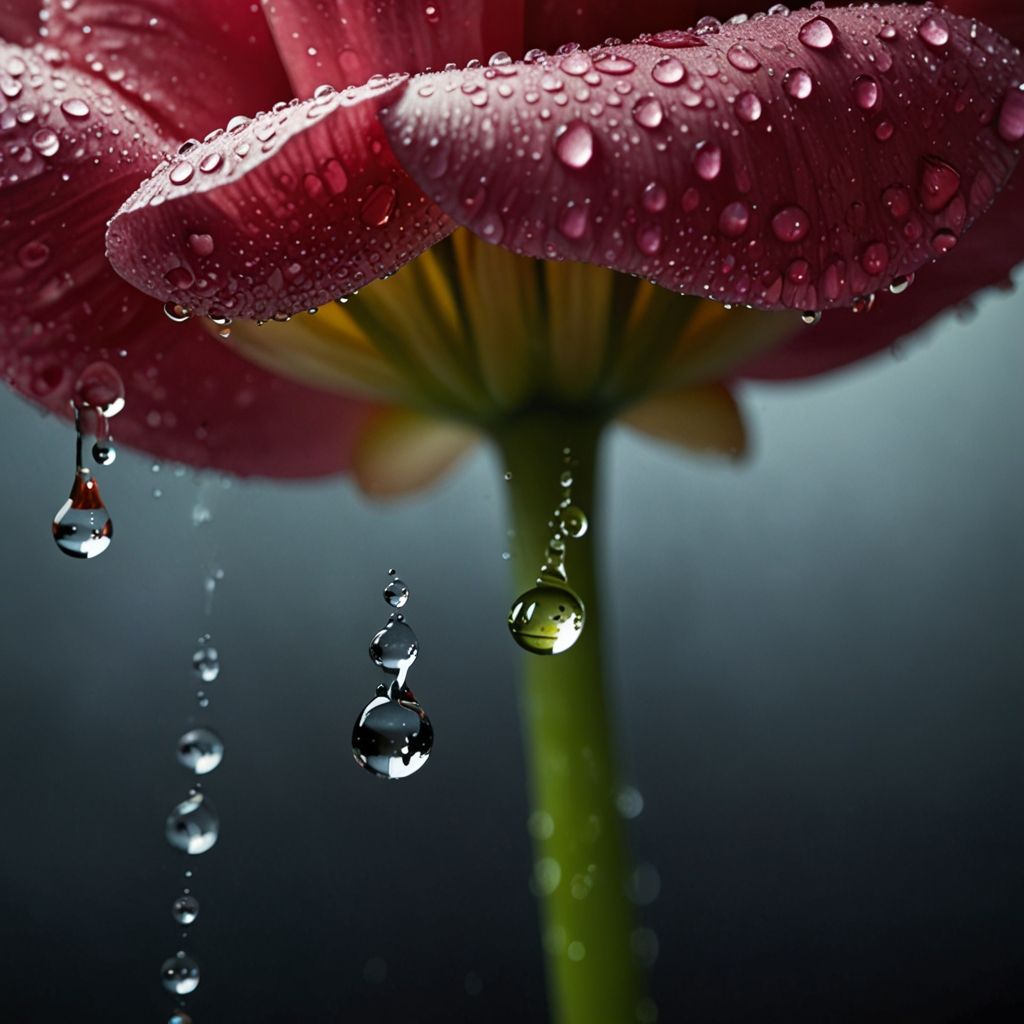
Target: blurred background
x,y
817,665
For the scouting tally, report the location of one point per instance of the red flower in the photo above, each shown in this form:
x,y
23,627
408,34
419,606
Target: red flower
x,y
799,161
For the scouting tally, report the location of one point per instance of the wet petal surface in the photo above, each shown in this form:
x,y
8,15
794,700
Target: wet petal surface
x,y
799,161
280,214
191,63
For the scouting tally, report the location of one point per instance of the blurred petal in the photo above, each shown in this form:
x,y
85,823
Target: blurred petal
x,y
401,451
344,42
983,260
279,214
71,156
191,63
711,170
703,420
19,21
550,23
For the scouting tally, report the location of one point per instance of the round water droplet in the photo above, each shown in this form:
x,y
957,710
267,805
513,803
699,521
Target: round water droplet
x,y
200,750
654,199
708,161
574,144
75,107
811,317
742,59
1011,115
818,33
378,206
798,84
396,593
668,71
572,222
944,240
901,284
179,1017
866,92
201,245
392,738
648,112
185,909
83,528
791,224
395,647
181,173
547,619
193,826
934,30
206,664
939,184
734,219
180,974
99,386
573,522
748,107
897,201
875,259
46,141
104,453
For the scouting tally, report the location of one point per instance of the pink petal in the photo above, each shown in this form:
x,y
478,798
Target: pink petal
x,y
344,42
983,260
791,161
276,215
70,156
192,63
19,21
551,23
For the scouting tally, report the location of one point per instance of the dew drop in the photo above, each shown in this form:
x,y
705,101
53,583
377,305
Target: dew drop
x,y
75,107
396,593
679,39
798,272
742,59
210,163
708,161
180,974
614,64
934,31
648,112
818,33
748,107
574,144
392,737
791,224
206,663
99,386
185,909
180,278
734,219
668,71
866,92
181,173
884,131
798,84
32,255
654,197
576,63
200,751
378,206
547,619
897,201
83,528
875,259
648,240
432,14
201,245
193,826
176,313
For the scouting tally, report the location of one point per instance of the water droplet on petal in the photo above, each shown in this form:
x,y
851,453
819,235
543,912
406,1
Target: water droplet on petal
x,y
884,131
573,223
875,259
654,197
185,909
181,173
648,112
818,33
791,224
210,163
939,184
798,84
1011,115
99,386
676,39
668,71
200,750
934,30
944,240
378,206
180,974
83,528
897,201
193,826
396,593
547,619
46,141
201,245
648,239
708,161
75,107
734,219
614,64
742,59
866,92
574,144
748,107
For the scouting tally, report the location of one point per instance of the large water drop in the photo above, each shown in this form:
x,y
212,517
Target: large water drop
x,y
83,528
185,909
200,750
180,974
395,647
193,826
392,738
547,619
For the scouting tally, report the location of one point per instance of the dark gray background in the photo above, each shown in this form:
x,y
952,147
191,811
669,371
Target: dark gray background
x,y
817,668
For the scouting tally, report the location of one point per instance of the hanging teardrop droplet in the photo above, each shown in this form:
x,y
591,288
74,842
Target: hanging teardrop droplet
x,y
392,738
547,619
395,647
83,528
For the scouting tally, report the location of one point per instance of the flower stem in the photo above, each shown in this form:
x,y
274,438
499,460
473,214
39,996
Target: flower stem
x,y
579,844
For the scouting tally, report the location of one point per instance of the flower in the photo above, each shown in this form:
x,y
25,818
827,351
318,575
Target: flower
x,y
780,162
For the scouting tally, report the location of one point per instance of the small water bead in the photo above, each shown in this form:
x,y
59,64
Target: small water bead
x,y
897,201
396,593
668,71
573,522
884,131
185,909
180,974
708,161
200,750
742,59
680,39
748,107
875,259
934,31
46,141
201,244
818,33
104,453
648,112
939,184
573,222
395,647
181,173
943,241
574,144
547,619
206,663
614,64
901,284
798,84
866,92
193,826
392,738
83,528
176,313
75,107
791,224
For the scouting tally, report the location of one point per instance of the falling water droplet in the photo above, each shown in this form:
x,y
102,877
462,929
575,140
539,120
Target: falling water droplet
x,y
180,974
574,144
396,593
83,528
104,453
392,737
179,1017
547,619
205,663
395,647
573,522
185,909
193,826
200,750
811,317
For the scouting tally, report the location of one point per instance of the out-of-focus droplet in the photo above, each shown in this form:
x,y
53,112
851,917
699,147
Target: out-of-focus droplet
x,y
185,909
206,663
180,974
573,522
193,826
200,750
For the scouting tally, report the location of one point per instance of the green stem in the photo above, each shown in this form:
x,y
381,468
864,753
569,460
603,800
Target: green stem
x,y
580,850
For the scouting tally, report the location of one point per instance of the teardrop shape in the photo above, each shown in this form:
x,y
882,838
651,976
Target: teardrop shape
x,y
83,528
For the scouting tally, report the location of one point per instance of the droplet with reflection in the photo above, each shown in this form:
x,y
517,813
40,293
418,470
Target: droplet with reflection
x,y
180,974
194,825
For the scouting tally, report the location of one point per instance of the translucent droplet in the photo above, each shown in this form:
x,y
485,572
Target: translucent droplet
x,y
629,802
179,1017
934,31
748,107
798,84
181,172
939,184
708,161
668,71
734,219
180,974
46,141
614,64
200,750
75,107
547,619
193,826
99,386
206,664
818,33
1011,115
742,59
378,206
392,738
396,593
648,112
574,144
104,453
176,313
573,522
395,647
83,528
185,909
790,224
866,92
